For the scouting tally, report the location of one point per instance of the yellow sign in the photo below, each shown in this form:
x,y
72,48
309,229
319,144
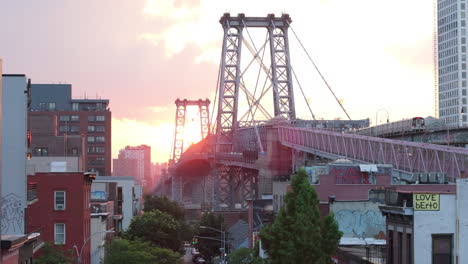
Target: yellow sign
x,y
426,202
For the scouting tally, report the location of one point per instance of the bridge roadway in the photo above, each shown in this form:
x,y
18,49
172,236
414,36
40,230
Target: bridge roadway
x,y
234,177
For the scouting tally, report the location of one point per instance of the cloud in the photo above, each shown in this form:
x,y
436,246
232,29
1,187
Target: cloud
x,y
159,109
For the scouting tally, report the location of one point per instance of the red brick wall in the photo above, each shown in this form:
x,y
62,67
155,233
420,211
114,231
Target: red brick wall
x,y
76,216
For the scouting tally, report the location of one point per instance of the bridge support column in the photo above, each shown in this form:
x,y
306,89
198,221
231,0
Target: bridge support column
x,y
233,186
176,190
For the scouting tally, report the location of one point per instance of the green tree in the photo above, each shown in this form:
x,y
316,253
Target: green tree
x,y
165,205
137,252
156,227
172,208
242,256
210,248
299,234
51,254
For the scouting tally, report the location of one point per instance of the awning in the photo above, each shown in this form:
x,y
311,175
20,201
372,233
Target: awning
x,y
368,167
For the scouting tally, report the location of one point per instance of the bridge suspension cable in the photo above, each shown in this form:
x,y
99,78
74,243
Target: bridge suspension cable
x,y
213,124
303,95
320,73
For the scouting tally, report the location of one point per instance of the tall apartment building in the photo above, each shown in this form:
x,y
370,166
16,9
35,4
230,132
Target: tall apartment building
x,y
17,246
451,45
63,126
135,162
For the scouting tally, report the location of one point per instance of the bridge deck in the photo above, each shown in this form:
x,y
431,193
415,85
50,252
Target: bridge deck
x,y
411,157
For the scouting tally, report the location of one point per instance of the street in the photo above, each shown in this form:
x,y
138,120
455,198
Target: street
x,y
188,255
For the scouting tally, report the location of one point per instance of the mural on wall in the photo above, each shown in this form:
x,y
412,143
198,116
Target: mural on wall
x,y
12,214
357,223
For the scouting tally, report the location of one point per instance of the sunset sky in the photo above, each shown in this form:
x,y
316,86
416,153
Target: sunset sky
x,y
143,54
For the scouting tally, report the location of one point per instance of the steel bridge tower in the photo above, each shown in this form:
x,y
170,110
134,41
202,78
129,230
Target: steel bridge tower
x,y
203,107
231,72
235,184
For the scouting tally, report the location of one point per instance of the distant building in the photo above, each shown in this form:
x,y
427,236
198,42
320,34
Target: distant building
x,y
128,198
157,171
135,162
54,164
62,210
452,71
71,127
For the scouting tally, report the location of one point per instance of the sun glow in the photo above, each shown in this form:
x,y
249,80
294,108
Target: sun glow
x,y
192,131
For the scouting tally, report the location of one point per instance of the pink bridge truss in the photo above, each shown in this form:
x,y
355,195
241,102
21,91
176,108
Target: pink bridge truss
x,y
405,156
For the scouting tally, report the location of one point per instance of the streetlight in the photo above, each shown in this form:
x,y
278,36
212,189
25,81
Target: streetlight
x,y
224,240
86,241
376,113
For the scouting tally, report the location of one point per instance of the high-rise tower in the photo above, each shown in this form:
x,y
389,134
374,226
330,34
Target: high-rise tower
x,y
451,58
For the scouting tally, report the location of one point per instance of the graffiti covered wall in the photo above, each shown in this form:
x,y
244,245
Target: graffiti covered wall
x,y
359,218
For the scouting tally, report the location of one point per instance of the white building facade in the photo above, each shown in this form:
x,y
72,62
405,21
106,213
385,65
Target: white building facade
x,y
451,54
128,197
14,151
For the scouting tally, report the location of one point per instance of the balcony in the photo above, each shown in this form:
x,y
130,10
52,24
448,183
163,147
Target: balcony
x,y
103,208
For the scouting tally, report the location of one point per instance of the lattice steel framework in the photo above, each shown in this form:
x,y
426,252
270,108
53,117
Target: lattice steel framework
x,y
234,185
230,74
410,157
181,105
203,107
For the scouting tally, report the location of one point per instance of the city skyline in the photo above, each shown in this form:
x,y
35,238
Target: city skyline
x,y
133,53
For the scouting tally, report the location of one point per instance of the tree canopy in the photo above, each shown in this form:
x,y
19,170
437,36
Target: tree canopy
x,y
299,234
156,227
51,254
137,252
163,204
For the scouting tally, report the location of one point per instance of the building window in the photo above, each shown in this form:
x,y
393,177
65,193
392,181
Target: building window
x,y
100,118
442,248
51,106
91,139
74,129
41,152
75,151
43,106
75,118
99,107
96,149
100,129
59,233
59,200
100,139
99,161
75,107
64,118
91,118
91,128
63,128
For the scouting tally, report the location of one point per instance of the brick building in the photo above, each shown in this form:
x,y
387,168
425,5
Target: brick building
x,y
135,162
62,210
62,126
